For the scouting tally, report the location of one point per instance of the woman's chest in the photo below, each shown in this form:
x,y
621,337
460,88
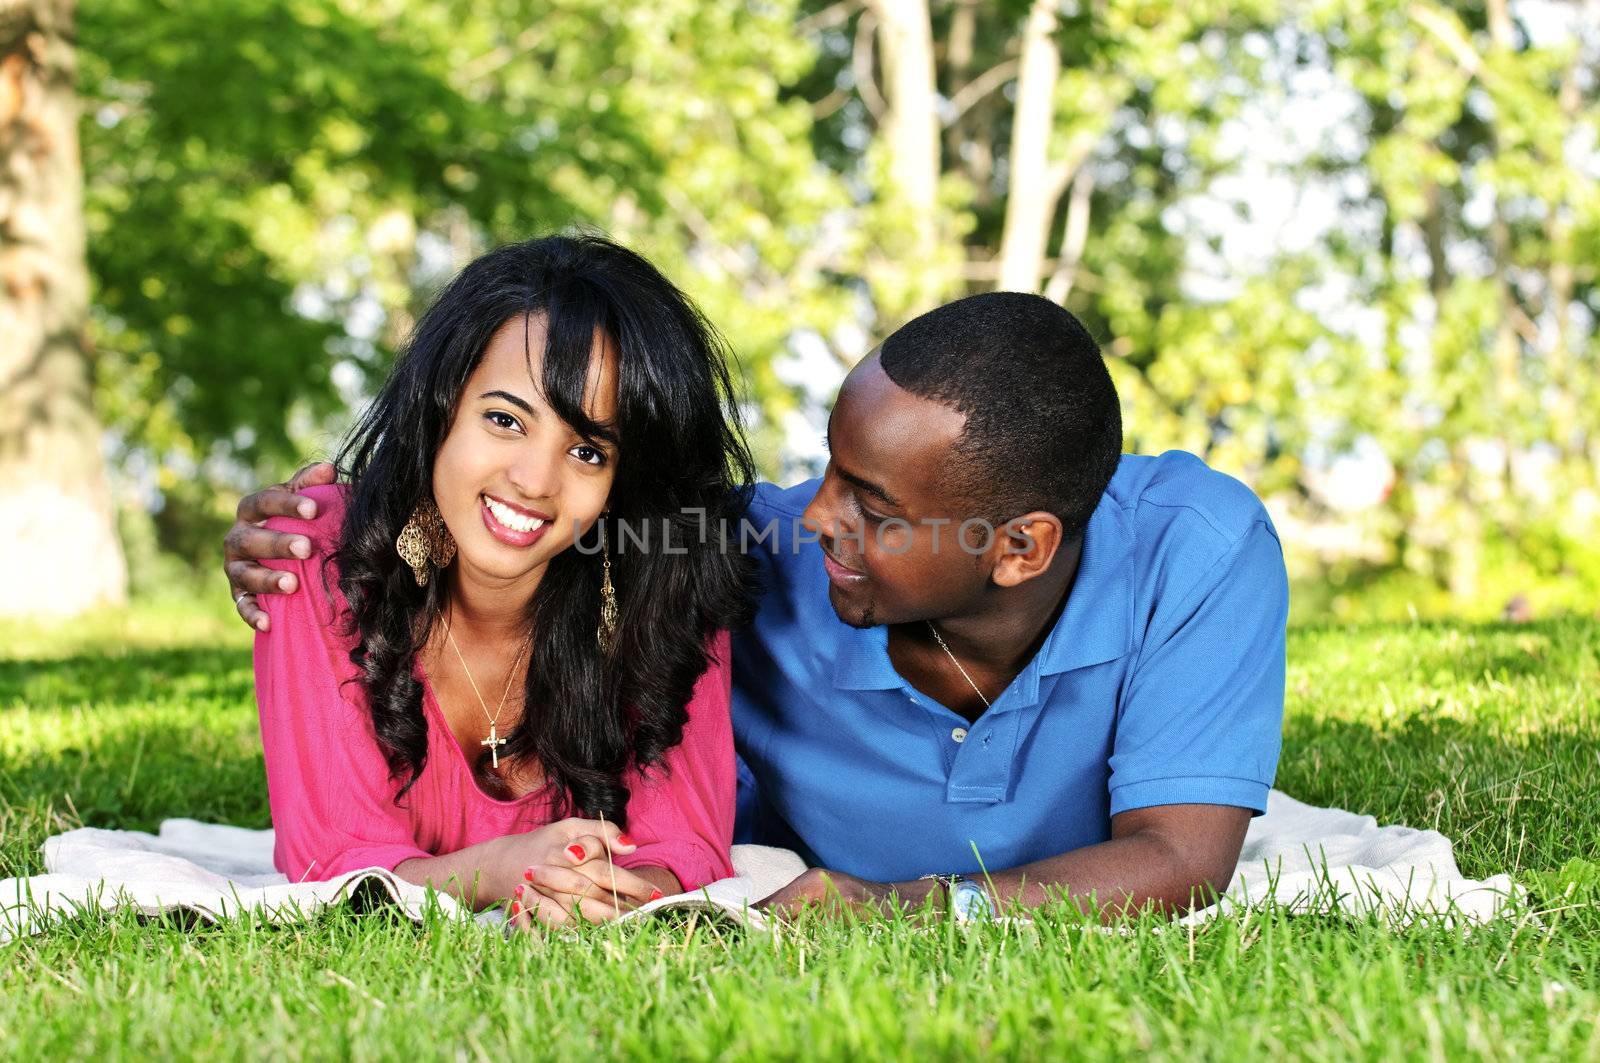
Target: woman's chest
x,y
448,811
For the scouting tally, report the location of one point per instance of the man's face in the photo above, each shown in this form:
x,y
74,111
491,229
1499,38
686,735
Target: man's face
x,y
889,537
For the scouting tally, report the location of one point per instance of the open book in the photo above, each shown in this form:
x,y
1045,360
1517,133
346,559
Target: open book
x,y
759,871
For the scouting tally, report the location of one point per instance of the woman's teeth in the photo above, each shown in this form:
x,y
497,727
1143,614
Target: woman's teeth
x,y
511,518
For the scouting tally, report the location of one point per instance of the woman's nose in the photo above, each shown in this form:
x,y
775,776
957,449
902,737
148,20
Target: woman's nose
x,y
536,473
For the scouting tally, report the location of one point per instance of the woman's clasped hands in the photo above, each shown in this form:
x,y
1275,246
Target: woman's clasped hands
x,y
571,878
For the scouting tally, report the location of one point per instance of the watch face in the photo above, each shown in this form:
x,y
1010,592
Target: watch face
x,y
968,900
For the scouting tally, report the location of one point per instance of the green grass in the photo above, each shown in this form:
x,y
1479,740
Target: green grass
x,y
1490,734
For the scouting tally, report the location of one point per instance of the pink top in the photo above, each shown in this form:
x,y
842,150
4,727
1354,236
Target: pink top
x,y
329,786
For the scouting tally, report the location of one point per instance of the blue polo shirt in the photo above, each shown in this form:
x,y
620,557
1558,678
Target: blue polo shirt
x,y
1161,683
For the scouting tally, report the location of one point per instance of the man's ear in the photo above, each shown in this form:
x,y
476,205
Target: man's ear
x,y
1024,547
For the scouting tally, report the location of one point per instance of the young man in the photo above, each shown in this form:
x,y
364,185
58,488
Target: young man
x,y
992,649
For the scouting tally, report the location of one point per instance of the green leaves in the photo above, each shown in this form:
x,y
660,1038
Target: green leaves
x,y
275,190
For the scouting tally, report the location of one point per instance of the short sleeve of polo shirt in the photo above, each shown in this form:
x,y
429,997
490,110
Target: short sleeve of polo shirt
x,y
1202,717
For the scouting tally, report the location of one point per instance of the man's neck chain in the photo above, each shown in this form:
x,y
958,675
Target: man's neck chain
x,y
940,640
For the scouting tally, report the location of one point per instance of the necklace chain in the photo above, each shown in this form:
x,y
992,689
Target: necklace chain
x,y
940,640
494,741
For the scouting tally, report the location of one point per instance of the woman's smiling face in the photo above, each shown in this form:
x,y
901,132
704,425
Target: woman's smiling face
x,y
515,483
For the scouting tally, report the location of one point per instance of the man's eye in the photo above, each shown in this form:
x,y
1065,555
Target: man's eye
x,y
867,514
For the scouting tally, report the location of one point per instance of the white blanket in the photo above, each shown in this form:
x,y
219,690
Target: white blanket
x,y
1302,858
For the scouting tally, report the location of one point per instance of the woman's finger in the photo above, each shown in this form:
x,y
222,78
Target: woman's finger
x,y
570,887
530,911
619,880
598,910
588,847
535,890
607,877
613,835
595,907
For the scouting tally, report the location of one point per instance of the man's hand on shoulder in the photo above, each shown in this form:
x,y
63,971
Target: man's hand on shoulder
x,y
248,543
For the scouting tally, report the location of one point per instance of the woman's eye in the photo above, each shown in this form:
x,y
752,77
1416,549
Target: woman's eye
x,y
500,419
589,455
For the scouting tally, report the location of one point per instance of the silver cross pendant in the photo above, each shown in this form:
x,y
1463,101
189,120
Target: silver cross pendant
x,y
494,742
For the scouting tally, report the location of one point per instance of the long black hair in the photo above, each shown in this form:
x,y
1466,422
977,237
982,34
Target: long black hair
x,y
589,718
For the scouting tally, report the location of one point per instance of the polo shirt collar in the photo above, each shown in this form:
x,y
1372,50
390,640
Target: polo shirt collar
x,y
1096,626
863,660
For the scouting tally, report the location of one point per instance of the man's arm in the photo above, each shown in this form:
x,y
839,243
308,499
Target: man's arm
x,y
1172,858
247,542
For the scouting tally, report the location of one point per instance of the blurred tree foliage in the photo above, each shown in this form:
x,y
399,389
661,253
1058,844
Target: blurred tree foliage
x,y
1474,236
1439,319
275,188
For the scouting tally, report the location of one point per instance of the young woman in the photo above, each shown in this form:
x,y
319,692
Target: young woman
x,y
481,689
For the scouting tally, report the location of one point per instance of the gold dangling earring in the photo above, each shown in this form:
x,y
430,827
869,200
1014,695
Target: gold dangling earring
x,y
606,635
425,542
442,545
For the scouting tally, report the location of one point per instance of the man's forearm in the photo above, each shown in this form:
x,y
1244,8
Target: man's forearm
x,y
1172,858
1137,871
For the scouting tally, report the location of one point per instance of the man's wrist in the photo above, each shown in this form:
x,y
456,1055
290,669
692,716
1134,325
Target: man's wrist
x,y
962,897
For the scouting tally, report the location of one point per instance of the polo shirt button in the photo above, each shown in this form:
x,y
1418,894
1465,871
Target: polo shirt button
x,y
958,735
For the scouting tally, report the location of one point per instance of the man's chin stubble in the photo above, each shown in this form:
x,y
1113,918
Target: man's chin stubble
x,y
867,617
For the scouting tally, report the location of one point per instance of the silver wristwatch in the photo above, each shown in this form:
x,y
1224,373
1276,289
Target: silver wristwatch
x,y
967,899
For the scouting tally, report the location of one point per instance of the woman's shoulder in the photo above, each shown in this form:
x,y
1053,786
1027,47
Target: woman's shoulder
x,y
715,685
323,529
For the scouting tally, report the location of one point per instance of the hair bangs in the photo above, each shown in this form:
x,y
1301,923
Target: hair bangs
x,y
574,314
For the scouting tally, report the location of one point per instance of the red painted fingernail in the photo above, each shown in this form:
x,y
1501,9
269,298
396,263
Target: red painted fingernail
x,y
517,893
577,852
656,895
516,909
623,839
528,874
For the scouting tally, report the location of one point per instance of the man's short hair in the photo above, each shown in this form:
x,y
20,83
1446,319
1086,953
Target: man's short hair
x,y
1044,428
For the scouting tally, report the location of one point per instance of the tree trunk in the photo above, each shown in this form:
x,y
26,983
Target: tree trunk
x,y
56,522
1563,256
905,42
911,126
1433,238
1507,350
1034,190
957,67
1074,237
